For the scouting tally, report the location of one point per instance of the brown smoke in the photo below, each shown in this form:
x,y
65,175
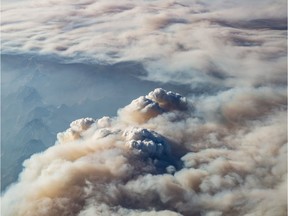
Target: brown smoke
x,y
191,157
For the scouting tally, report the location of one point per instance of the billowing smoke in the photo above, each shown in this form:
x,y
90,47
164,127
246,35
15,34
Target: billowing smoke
x,y
165,154
219,151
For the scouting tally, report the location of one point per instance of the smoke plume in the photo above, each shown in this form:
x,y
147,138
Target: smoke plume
x,y
219,150
187,156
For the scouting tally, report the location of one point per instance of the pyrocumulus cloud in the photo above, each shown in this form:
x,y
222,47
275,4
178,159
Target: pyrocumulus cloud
x,y
194,156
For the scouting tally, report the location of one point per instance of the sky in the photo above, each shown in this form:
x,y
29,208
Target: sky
x,y
146,107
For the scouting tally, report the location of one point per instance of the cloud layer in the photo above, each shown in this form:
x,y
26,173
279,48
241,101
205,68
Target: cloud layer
x,y
242,43
211,158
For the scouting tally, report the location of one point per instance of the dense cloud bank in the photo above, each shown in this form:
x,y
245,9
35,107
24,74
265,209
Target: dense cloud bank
x,y
184,41
214,155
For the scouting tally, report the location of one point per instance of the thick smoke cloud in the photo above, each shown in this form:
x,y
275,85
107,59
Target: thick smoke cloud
x,y
157,102
220,151
241,42
212,156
